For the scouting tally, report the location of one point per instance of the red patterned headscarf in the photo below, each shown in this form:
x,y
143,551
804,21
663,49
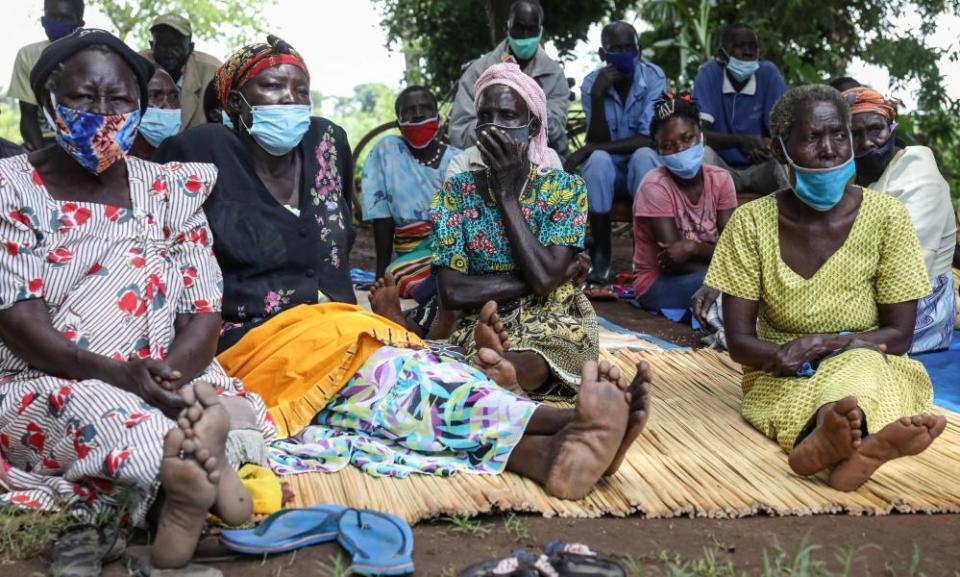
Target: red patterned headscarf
x,y
865,99
251,60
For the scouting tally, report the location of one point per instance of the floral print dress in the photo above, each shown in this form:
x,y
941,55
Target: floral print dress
x,y
470,237
113,279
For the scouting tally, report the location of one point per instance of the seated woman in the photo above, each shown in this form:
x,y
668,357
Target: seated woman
x,y
280,212
910,174
108,307
400,177
679,211
820,286
162,118
511,233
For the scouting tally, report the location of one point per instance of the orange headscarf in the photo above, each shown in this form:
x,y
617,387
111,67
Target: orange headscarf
x,y
866,99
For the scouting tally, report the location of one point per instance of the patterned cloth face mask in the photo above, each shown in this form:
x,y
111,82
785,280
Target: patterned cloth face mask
x,y
96,141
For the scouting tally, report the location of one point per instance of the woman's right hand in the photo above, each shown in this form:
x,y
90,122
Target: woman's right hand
x,y
145,378
791,356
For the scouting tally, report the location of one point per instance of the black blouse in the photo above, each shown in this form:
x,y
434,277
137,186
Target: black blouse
x,y
271,258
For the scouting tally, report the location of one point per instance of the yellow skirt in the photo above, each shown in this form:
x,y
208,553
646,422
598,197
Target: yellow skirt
x,y
298,360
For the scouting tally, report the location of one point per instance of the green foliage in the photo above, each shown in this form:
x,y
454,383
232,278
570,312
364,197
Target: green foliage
x,y
25,534
10,121
468,526
447,34
370,106
516,528
238,22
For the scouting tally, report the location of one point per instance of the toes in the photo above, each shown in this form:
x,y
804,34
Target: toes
x,y
615,376
189,394
603,371
194,413
214,476
643,372
188,446
489,357
206,394
939,425
846,405
210,464
184,422
488,311
590,372
172,443
388,280
203,455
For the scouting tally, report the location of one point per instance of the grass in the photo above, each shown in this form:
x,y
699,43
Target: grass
x,y
777,562
25,534
467,526
516,528
335,567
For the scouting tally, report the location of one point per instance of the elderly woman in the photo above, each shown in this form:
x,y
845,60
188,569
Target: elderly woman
x,y
400,177
162,118
348,386
110,300
511,233
285,184
820,285
910,175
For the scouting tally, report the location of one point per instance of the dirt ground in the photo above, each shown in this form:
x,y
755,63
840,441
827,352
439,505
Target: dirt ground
x,y
877,546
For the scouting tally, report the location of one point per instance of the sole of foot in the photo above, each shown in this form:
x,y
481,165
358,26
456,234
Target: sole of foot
x,y
188,495
835,437
906,437
209,426
638,398
490,332
585,448
498,370
385,299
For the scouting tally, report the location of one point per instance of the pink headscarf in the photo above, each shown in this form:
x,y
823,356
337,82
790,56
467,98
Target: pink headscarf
x,y
509,74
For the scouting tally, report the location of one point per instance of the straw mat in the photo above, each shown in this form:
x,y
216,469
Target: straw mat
x,y
697,457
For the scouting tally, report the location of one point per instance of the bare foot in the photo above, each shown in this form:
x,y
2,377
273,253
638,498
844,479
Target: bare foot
x,y
835,438
489,332
638,397
207,423
585,448
188,495
499,370
906,437
385,300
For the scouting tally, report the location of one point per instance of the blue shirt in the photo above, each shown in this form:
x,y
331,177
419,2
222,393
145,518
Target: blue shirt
x,y
631,118
732,112
395,185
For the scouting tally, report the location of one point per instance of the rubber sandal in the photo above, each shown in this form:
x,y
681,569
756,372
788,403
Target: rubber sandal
x,y
286,530
82,550
576,560
600,293
520,564
139,565
379,543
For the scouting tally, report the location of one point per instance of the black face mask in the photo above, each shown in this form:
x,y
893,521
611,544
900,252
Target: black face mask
x,y
876,161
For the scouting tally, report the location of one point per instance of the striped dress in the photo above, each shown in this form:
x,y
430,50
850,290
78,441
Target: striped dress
x,y
113,279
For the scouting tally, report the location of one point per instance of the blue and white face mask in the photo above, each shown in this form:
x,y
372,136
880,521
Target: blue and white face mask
x,y
686,163
225,119
742,69
822,188
279,128
159,124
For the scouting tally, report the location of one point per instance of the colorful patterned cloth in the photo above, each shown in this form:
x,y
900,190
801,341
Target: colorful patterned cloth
x,y
251,60
407,412
114,280
879,263
936,315
413,244
469,235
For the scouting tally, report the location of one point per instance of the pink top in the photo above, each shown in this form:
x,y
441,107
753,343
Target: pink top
x,y
659,197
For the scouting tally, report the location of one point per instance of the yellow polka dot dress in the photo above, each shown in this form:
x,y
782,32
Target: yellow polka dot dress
x,y
880,262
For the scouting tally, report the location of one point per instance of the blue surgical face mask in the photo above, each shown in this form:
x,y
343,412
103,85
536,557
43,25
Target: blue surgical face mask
x,y
225,118
524,48
686,163
279,128
625,62
742,69
159,124
821,188
55,29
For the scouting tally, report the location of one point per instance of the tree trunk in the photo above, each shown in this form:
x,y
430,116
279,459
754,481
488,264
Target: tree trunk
x,y
497,13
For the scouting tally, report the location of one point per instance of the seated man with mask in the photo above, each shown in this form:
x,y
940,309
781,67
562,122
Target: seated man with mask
x,y
911,175
618,103
524,32
735,93
162,118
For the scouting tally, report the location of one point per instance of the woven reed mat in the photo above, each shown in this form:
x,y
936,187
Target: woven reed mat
x,y
697,457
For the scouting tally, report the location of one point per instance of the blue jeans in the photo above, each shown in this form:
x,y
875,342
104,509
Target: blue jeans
x,y
672,291
608,175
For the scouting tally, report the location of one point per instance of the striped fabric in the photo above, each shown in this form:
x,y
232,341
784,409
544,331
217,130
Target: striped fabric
x,y
413,245
113,279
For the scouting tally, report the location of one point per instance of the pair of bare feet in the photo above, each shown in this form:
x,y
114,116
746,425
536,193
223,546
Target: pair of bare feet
x,y
591,441
196,478
836,441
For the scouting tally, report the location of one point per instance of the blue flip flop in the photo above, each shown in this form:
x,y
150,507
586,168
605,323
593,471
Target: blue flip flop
x,y
286,530
379,543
